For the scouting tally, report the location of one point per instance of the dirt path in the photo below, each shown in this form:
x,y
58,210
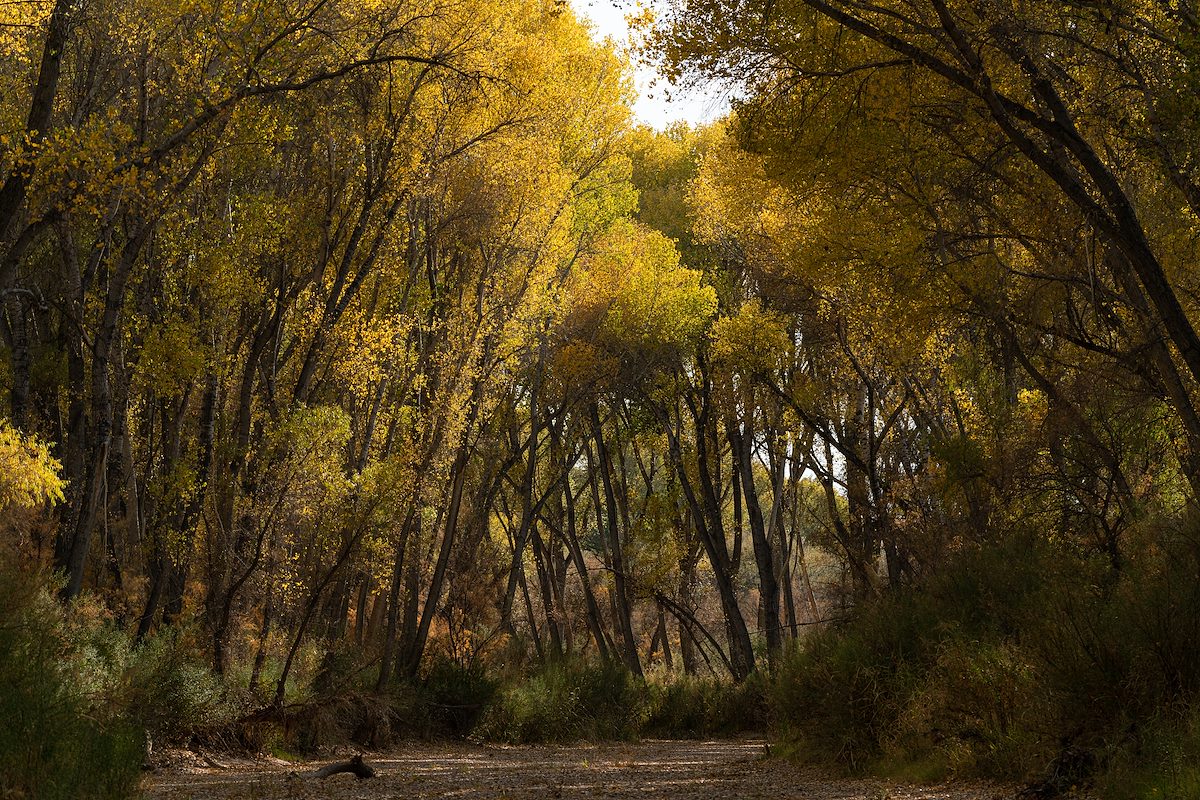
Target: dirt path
x,y
646,770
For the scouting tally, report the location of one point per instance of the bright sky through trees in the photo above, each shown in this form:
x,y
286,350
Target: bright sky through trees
x,y
658,104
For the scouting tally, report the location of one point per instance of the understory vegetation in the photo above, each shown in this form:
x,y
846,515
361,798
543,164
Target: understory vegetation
x,y
370,373
1021,661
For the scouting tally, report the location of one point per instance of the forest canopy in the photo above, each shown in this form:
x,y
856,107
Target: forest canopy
x,y
364,359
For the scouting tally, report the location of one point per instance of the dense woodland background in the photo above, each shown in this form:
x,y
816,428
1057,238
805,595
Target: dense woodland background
x,y
368,374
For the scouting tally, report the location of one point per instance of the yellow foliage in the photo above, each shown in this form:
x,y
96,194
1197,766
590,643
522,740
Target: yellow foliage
x,y
29,475
636,299
751,340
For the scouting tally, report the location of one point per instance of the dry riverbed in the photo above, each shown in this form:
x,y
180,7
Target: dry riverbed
x,y
646,770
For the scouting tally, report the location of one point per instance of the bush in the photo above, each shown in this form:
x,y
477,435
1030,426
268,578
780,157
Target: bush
x,y
932,681
457,695
80,701
447,700
1013,658
172,693
567,700
58,740
1164,764
701,707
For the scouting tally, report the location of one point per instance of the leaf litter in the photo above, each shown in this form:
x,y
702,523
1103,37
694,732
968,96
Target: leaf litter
x,y
647,770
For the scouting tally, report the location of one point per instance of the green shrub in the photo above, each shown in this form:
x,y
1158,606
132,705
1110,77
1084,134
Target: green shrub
x,y
970,713
567,700
457,695
172,693
1011,657
687,706
58,740
1163,764
932,679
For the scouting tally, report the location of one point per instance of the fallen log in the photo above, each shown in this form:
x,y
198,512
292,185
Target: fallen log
x,y
355,765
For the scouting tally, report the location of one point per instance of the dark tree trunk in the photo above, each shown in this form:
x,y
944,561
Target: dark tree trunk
x,y
743,445
610,529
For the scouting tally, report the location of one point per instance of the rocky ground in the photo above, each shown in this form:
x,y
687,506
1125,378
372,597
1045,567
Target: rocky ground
x,y
645,770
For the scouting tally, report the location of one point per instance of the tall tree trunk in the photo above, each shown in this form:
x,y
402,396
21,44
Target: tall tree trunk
x,y
594,618
541,558
624,621
18,334
412,525
41,111
743,444
411,660
705,510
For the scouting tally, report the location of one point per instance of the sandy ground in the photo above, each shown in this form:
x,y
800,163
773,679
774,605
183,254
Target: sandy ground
x,y
646,770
